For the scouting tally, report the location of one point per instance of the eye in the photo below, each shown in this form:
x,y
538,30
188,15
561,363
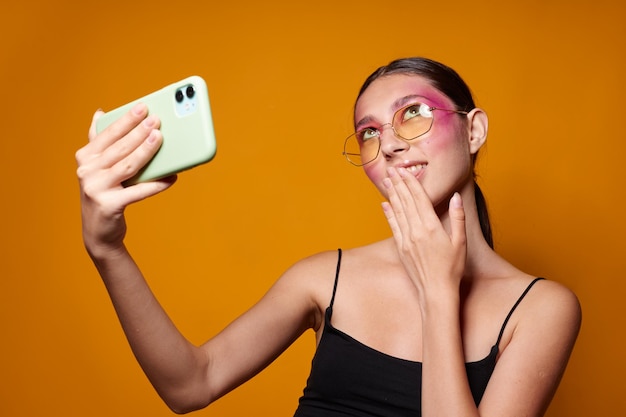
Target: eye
x,y
426,111
412,111
416,110
367,134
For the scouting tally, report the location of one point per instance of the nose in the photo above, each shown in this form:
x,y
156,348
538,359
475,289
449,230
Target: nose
x,y
391,144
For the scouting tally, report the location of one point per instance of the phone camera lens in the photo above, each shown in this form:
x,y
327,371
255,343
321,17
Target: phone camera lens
x,y
190,91
179,96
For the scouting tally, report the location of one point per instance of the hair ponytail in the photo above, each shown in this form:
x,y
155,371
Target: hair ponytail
x,y
483,215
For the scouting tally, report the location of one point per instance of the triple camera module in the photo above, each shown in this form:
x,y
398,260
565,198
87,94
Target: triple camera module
x,y
185,100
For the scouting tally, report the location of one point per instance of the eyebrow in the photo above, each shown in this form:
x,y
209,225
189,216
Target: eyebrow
x,y
399,103
404,100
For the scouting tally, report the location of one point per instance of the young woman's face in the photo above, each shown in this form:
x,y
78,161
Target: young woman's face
x,y
440,159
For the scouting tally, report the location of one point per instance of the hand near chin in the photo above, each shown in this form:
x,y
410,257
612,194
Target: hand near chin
x,y
109,158
433,257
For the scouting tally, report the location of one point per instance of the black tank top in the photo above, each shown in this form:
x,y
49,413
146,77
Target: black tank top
x,y
349,378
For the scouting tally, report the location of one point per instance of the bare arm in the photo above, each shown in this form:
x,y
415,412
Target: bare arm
x,y
531,365
186,376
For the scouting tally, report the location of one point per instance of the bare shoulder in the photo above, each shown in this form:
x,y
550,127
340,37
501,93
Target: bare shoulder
x,y
311,279
555,303
550,312
318,266
547,303
324,265
534,355
381,254
314,276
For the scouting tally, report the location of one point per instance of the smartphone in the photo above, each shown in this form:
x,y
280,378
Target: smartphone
x,y
186,125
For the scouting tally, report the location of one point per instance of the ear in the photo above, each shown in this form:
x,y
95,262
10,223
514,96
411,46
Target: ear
x,y
478,124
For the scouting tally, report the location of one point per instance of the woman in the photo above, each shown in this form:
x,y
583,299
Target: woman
x,y
428,322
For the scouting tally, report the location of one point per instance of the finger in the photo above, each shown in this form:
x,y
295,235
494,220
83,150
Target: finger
x,y
132,140
126,167
141,191
83,155
397,203
119,128
400,196
90,154
391,219
420,199
457,220
92,128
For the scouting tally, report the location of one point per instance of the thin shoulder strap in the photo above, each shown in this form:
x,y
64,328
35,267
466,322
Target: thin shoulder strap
x,y
332,300
519,300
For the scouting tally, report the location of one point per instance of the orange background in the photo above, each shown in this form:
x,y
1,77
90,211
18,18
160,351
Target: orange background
x,y
282,79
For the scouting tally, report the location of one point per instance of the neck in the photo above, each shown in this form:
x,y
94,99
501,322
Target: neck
x,y
479,253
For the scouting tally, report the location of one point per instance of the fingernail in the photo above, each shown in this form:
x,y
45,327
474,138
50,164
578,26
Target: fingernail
x,y
139,109
149,122
391,171
456,201
387,183
152,137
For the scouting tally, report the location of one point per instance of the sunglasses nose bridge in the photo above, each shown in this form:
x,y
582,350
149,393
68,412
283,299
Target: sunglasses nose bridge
x,y
392,131
390,142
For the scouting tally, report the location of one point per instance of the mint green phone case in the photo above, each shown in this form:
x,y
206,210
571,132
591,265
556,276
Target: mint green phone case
x,y
186,125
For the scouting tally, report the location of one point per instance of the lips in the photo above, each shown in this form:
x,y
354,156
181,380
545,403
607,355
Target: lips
x,y
413,167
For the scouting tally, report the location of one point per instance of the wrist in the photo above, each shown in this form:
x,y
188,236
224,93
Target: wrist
x,y
440,303
101,253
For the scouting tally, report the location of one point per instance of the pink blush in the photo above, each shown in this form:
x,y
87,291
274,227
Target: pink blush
x,y
375,174
444,129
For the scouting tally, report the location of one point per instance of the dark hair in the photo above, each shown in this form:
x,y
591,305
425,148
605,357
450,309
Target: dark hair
x,y
448,81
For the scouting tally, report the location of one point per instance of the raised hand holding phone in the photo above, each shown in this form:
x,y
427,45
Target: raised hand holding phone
x,y
184,111
104,163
